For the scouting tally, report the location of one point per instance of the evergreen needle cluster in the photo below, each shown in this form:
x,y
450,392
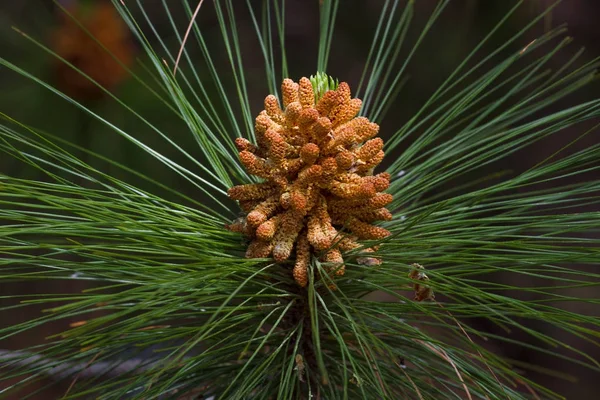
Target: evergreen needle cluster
x,y
173,309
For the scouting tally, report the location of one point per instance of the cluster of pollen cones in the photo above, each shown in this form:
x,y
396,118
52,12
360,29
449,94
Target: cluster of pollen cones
x,y
319,193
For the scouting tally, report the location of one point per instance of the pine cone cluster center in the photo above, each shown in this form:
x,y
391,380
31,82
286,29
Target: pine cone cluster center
x,y
319,195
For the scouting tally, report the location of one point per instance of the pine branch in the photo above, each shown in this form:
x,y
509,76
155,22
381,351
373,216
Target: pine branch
x,y
450,241
59,370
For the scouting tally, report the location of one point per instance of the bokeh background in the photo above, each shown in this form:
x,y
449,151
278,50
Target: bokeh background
x,y
462,25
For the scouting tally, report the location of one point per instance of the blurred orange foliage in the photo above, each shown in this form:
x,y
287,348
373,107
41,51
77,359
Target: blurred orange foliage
x,y
82,49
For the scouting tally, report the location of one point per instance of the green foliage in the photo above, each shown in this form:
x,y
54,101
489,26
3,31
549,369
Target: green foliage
x,y
167,279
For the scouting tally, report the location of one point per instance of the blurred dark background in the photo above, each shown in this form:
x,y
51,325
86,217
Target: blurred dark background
x,y
462,25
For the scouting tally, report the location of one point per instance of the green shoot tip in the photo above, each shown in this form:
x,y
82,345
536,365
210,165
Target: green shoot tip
x,y
321,83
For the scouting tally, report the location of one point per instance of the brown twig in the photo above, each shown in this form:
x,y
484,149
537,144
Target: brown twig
x,y
410,380
187,32
478,352
79,374
445,356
